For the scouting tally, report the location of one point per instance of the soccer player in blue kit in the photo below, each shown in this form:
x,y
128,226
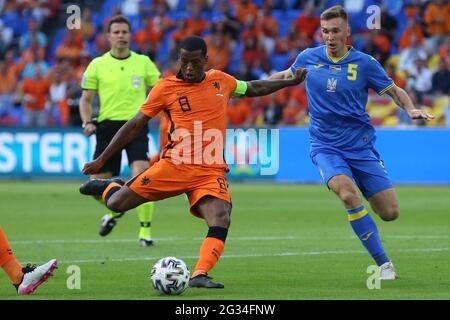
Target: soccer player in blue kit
x,y
341,135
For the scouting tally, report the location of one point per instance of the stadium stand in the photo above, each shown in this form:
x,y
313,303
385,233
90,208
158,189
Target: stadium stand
x,y
258,37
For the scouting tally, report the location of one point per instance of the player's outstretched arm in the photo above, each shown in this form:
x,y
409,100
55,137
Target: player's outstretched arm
x,y
258,88
402,99
285,74
128,132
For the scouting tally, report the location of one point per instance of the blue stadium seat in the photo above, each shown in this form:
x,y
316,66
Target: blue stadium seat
x,y
331,3
177,15
290,4
283,27
162,56
259,3
394,7
235,59
55,43
292,15
279,62
181,5
18,114
135,22
97,20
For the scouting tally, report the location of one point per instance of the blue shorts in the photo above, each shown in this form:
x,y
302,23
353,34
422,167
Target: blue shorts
x,y
369,175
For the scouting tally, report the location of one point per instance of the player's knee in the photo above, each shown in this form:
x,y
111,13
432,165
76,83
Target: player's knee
x,y
222,217
350,198
390,213
114,204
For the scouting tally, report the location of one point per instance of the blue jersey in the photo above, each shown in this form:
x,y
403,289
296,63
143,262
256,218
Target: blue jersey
x,y
337,91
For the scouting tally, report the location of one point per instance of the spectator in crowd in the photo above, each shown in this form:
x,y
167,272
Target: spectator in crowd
x,y
308,22
87,25
8,82
412,28
273,112
268,25
419,79
409,55
34,93
239,112
6,36
150,36
181,31
441,79
246,72
398,80
218,50
296,109
101,42
252,53
437,19
11,64
71,46
293,43
57,99
196,24
246,10
444,50
389,23
378,46
37,58
33,35
232,26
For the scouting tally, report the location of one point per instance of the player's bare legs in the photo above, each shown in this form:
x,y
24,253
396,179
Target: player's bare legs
x,y
385,204
346,190
123,199
216,213
362,223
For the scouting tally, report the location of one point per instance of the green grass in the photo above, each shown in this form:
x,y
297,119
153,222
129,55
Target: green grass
x,y
287,242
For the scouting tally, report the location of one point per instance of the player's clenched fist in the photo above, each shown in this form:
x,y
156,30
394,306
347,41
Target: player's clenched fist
x,y
92,167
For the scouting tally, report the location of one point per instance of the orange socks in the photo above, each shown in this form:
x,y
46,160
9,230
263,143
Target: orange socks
x,y
210,252
109,191
8,261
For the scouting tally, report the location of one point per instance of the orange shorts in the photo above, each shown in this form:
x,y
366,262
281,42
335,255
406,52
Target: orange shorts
x,y
166,179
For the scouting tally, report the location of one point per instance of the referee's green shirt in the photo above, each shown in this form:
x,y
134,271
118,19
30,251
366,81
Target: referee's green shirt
x,y
120,83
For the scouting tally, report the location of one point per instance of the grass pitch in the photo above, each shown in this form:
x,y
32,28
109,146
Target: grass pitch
x,y
286,242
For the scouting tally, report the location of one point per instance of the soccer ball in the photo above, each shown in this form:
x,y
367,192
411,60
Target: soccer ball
x,y
170,276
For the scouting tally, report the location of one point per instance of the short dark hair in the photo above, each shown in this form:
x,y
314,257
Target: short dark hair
x,y
194,43
334,12
118,19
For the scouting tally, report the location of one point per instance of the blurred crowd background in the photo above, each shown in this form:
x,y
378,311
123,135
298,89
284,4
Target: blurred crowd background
x,y
42,61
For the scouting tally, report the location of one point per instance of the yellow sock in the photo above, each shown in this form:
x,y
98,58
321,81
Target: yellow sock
x,y
145,214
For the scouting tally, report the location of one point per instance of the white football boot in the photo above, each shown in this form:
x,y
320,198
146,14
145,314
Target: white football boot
x,y
387,271
34,276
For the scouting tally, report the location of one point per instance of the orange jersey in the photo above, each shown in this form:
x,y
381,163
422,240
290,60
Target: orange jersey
x,y
197,114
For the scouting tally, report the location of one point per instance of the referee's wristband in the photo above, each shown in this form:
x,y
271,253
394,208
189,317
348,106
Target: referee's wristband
x,y
86,123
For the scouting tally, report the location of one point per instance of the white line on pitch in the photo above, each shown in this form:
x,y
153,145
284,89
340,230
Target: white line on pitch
x,y
282,254
256,238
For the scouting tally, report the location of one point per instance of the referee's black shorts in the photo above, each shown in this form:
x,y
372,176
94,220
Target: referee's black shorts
x,y
136,149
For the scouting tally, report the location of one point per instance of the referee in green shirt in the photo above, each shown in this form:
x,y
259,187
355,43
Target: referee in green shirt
x,y
120,78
